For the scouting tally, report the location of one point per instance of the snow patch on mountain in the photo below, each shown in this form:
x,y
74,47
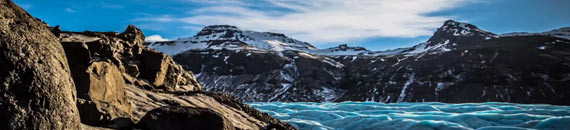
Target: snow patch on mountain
x,y
560,33
231,37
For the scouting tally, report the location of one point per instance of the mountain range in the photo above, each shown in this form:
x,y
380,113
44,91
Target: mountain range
x,y
459,63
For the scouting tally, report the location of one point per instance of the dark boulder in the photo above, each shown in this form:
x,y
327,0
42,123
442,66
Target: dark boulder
x,y
183,118
154,67
36,89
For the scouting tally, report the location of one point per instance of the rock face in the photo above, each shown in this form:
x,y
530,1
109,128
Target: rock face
x,y
103,64
118,80
241,116
36,90
459,63
108,66
154,66
138,63
181,118
106,93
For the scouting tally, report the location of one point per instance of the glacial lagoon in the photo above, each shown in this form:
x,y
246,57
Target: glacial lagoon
x,y
431,115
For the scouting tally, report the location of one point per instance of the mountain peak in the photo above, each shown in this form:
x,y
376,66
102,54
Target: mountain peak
x,y
210,29
452,35
451,28
220,27
461,29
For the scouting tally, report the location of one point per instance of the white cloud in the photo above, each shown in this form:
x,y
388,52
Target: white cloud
x,y
163,18
69,10
154,38
323,21
26,6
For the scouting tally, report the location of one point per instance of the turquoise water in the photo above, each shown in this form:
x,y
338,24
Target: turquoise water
x,y
433,115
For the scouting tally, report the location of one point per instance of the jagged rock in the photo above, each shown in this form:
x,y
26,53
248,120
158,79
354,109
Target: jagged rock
x,y
86,48
134,36
148,68
106,90
154,67
181,118
100,84
36,90
177,77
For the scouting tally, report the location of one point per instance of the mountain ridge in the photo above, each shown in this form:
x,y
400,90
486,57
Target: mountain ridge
x,y
236,38
457,55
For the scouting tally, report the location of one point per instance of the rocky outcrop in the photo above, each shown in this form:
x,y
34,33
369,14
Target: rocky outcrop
x,y
104,63
180,118
36,89
106,93
139,64
150,79
241,116
117,77
154,67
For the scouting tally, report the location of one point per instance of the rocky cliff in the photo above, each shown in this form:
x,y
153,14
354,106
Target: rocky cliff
x,y
120,83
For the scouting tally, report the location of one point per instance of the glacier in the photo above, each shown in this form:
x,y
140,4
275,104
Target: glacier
x,y
427,115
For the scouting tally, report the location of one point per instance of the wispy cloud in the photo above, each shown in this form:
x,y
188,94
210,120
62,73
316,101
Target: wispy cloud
x,y
322,21
155,38
69,10
26,6
163,18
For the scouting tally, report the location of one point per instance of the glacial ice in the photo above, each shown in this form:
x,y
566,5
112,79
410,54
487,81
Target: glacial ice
x,y
428,115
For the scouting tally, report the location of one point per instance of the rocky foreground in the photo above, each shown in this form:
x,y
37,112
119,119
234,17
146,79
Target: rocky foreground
x,y
53,79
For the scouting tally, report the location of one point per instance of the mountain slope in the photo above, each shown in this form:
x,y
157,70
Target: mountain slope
x,y
560,33
450,36
459,63
230,37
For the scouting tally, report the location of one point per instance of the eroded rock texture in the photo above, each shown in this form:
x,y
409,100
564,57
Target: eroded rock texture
x,y
181,118
104,63
150,80
36,89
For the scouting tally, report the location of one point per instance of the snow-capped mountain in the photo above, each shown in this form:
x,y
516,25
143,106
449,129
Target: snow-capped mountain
x,y
231,37
450,36
342,49
459,63
561,33
345,50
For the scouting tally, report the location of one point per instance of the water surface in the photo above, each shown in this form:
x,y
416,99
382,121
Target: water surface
x,y
432,115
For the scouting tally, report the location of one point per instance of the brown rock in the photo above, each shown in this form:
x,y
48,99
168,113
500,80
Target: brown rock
x,y
105,91
179,80
133,35
149,68
153,67
36,90
182,118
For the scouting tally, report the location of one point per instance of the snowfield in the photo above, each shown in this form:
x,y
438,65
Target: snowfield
x,y
429,115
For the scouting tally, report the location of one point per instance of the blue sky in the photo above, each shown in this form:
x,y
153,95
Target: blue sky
x,y
374,24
